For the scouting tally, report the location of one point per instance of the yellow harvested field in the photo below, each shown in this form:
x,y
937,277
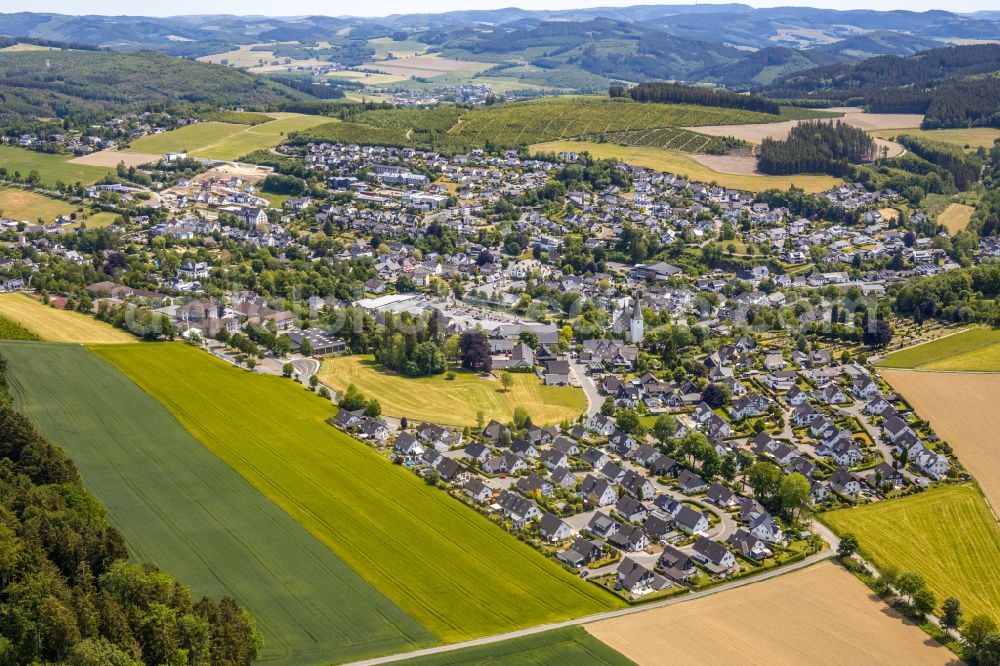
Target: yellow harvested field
x,y
54,325
427,66
371,78
30,206
961,408
818,615
684,165
956,217
453,402
111,158
755,133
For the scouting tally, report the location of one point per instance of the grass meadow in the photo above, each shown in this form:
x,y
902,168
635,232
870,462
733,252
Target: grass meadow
x,y
50,167
946,534
184,509
225,141
569,645
969,138
453,402
55,325
452,570
974,350
30,206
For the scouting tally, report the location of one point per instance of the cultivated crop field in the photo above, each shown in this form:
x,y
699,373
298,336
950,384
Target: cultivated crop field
x,y
961,407
55,325
682,165
24,205
52,168
183,508
673,138
225,141
818,615
974,350
946,534
452,570
550,119
570,645
454,402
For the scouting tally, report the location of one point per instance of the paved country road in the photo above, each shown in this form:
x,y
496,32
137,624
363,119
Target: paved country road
x,y
827,535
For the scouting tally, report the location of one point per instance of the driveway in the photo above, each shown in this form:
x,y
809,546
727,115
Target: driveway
x,y
594,399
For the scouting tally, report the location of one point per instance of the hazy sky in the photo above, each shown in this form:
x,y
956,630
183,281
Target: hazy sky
x,y
384,7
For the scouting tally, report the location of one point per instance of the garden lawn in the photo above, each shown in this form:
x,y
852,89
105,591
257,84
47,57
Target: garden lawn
x,y
55,325
975,350
457,401
51,168
182,508
445,565
946,534
569,645
678,163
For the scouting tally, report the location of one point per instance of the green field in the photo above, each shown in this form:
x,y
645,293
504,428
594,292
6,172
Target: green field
x,y
457,401
445,565
184,509
975,350
946,534
51,168
678,163
559,647
225,141
968,137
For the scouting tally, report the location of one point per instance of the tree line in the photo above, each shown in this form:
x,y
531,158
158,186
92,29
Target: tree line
x,y
68,592
675,93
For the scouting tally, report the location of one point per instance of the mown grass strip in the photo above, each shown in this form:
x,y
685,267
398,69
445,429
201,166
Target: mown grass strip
x,y
183,508
445,565
569,645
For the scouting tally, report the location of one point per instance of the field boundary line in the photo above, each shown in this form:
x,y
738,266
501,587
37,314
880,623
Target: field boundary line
x,y
606,615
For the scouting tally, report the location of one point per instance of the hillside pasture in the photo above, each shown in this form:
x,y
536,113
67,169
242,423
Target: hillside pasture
x,y
569,645
956,217
973,350
54,325
225,141
454,402
802,617
51,168
683,165
961,409
30,206
182,508
969,138
947,534
452,570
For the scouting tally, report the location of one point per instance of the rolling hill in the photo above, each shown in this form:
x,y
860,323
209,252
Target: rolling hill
x,y
64,83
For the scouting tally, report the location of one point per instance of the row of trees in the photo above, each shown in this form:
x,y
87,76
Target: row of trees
x,y
964,169
675,93
68,592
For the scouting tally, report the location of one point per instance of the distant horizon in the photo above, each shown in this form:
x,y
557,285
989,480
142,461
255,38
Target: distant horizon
x,y
301,8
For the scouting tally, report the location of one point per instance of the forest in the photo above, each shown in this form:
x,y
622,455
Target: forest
x,y
816,147
68,592
666,92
